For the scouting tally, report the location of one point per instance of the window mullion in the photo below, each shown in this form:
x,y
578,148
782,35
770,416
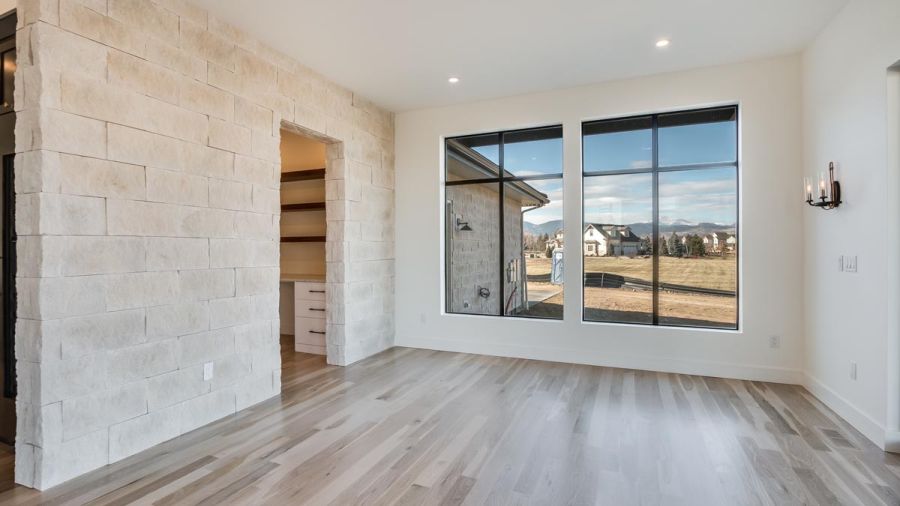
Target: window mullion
x,y
501,225
655,244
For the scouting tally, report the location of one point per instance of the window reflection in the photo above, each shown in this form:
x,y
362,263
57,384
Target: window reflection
x,y
698,137
502,260
533,152
618,145
618,267
473,249
698,264
537,285
660,238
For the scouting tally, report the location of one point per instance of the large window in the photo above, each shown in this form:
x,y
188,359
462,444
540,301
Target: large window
x,y
660,230
503,229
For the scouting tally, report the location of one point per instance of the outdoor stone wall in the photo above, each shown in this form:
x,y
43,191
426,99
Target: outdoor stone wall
x,y
147,180
512,237
474,254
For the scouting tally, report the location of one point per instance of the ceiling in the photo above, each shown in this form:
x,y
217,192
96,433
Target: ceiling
x,y
399,53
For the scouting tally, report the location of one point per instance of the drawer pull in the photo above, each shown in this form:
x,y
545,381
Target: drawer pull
x,y
315,309
316,332
316,291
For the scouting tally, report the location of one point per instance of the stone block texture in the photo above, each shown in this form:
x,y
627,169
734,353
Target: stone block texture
x,y
473,254
148,179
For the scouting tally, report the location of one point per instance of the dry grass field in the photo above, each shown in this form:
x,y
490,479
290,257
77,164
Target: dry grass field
x,y
629,306
716,273
635,306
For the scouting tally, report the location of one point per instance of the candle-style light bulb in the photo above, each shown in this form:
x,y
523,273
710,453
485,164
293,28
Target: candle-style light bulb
x,y
807,189
822,185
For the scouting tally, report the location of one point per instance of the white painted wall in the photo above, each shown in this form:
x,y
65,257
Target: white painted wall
x,y
849,316
771,284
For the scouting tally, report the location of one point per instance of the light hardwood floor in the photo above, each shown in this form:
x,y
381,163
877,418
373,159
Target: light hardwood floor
x,y
420,427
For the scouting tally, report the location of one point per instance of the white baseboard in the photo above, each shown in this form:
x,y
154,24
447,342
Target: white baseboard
x,y
591,357
892,441
853,415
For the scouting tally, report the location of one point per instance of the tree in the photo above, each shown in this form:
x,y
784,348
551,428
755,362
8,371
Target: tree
x,y
549,251
663,246
695,246
646,247
676,247
528,239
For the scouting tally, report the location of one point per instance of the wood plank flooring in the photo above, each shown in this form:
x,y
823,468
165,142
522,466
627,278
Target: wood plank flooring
x,y
415,427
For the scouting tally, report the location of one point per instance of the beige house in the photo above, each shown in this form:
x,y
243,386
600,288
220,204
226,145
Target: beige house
x,y
718,242
602,240
557,241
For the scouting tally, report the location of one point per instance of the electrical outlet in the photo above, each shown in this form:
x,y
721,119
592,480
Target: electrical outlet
x,y
774,341
208,371
850,263
853,370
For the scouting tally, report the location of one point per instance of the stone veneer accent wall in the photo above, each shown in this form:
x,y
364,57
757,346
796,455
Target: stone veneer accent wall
x,y
148,218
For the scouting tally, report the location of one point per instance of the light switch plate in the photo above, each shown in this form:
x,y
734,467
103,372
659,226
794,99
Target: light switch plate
x,y
208,371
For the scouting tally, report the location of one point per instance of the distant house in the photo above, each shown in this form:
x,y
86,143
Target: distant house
x,y
602,240
556,241
731,242
718,242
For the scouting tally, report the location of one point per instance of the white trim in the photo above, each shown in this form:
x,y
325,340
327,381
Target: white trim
x,y
862,422
892,437
603,358
892,441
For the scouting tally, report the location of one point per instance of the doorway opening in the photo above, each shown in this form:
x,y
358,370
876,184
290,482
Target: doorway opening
x,y
8,249
302,307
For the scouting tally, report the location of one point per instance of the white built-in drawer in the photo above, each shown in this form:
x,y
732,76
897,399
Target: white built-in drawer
x,y
310,348
309,309
309,291
309,331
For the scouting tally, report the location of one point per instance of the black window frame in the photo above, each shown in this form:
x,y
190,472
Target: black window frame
x,y
654,170
501,181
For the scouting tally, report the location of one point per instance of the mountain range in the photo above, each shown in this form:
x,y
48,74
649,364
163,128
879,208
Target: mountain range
x,y
640,229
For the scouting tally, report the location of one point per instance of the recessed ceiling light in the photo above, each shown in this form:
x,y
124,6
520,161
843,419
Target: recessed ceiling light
x,y
662,43
453,80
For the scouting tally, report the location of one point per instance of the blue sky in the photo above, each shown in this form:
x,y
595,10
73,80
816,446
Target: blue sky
x,y
527,158
707,195
552,211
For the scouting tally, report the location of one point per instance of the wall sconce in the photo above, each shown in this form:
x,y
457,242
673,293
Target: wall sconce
x,y
829,190
462,226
